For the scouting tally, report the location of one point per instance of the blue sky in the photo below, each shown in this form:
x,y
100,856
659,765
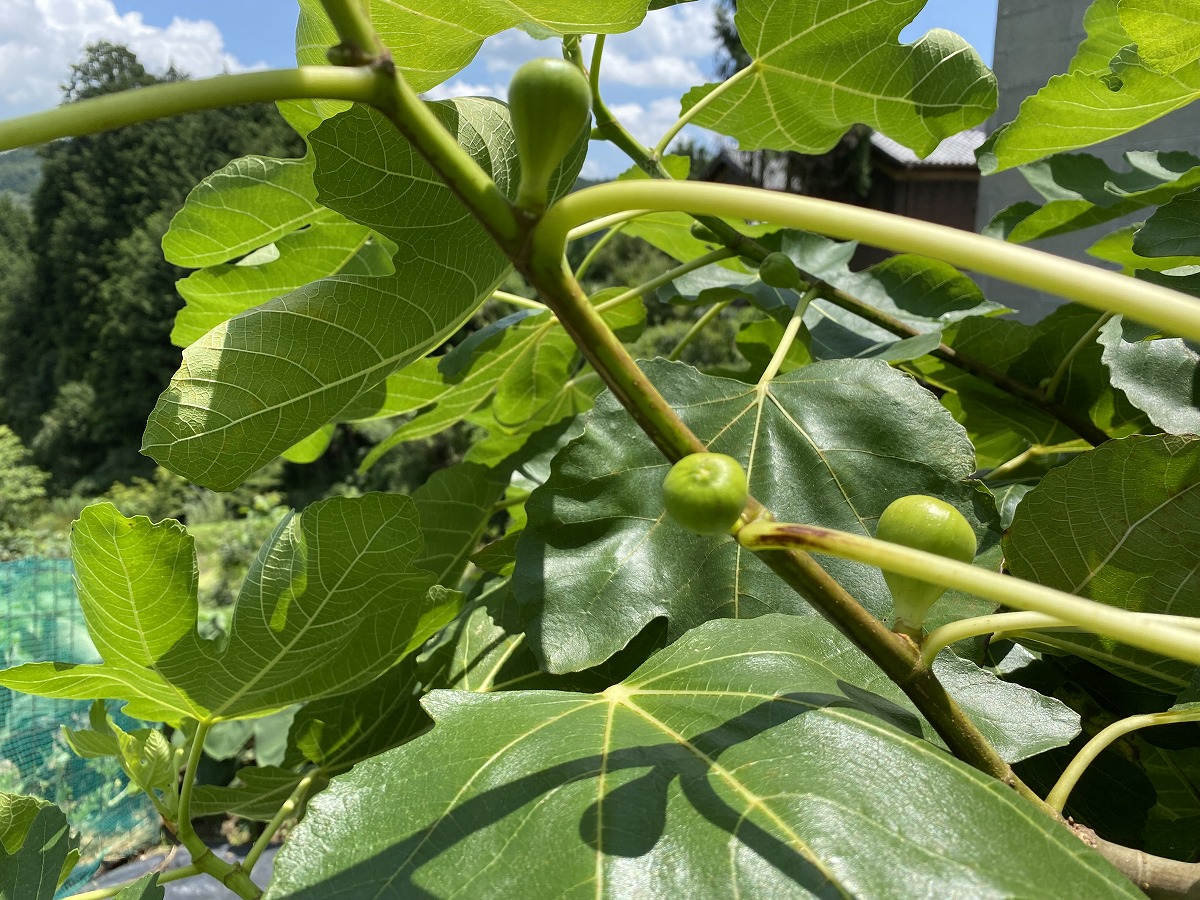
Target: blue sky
x,y
645,72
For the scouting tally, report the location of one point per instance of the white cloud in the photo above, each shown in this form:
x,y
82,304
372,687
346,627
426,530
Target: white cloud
x,y
648,122
594,170
653,71
685,29
40,39
460,88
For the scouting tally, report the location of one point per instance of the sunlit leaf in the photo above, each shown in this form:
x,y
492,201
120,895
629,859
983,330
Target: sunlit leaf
x,y
1161,376
1107,91
1167,32
750,759
819,68
332,601
255,383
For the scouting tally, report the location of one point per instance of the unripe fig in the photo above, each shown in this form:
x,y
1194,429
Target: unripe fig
x,y
550,103
932,525
706,492
778,271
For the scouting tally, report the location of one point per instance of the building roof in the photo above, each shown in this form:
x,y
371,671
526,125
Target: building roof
x,y
956,150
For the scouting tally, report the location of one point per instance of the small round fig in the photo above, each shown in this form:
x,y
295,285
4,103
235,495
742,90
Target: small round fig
x,y
706,492
929,524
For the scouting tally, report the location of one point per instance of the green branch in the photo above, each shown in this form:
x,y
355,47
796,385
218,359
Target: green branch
x,y
229,874
1080,424
1160,307
360,44
1058,795
1134,629
606,123
996,624
161,100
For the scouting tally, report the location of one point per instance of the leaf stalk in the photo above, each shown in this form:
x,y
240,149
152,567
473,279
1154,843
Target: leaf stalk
x,y
176,98
1134,629
1160,307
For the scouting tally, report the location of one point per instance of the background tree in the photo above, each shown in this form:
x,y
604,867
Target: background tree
x,y
85,348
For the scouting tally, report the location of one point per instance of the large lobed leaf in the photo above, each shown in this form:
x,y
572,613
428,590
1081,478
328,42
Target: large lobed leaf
x,y
432,40
822,66
831,443
1108,90
253,386
749,759
332,601
1119,525
1160,376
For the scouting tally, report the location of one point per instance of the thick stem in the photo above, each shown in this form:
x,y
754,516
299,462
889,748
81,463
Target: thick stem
x,y
608,356
1155,876
1135,629
1165,309
229,874
179,97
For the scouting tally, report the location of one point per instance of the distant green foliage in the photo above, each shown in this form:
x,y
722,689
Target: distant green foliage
x,y
84,347
21,487
20,171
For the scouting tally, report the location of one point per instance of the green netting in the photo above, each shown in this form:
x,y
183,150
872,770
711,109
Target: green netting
x,y
40,619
